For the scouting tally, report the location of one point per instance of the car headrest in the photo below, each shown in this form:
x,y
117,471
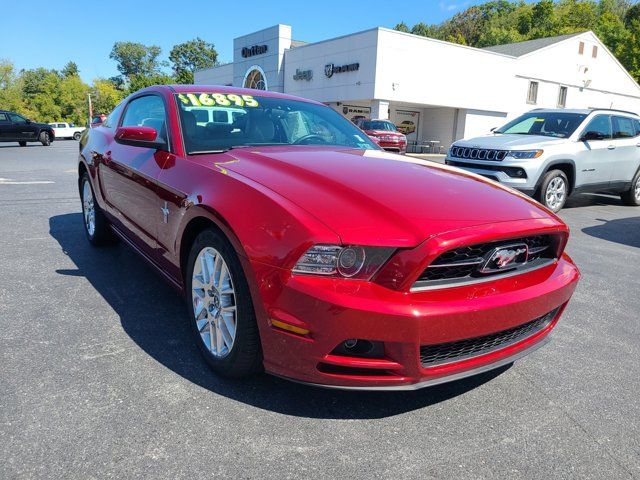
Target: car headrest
x,y
261,128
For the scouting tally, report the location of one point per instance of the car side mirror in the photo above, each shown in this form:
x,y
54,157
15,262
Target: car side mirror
x,y
591,135
140,137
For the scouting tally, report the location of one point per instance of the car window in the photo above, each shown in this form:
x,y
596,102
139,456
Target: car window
x,y
15,118
378,125
623,127
263,120
4,118
112,119
637,125
61,125
550,124
147,111
600,125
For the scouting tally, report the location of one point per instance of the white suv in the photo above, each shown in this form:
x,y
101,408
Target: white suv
x,y
551,154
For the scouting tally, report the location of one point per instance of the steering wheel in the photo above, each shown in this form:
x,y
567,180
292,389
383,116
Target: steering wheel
x,y
304,140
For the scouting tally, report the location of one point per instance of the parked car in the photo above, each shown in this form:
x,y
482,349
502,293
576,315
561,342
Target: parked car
x,y
97,120
67,130
551,154
319,257
386,134
16,128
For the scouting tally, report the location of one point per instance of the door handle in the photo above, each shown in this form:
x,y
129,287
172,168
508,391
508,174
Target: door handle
x,y
611,147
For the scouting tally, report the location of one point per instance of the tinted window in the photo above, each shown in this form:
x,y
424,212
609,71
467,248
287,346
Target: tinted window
x,y
259,120
15,118
3,118
61,125
378,125
623,127
637,124
112,120
147,111
550,124
220,116
600,126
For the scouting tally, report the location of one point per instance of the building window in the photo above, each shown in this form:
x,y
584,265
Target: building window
x,y
562,97
594,52
255,79
532,95
581,48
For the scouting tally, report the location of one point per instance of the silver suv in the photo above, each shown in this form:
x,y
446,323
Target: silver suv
x,y
551,154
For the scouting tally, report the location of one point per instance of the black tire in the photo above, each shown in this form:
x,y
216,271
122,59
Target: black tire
x,y
101,234
76,136
244,358
553,202
632,196
45,139
23,144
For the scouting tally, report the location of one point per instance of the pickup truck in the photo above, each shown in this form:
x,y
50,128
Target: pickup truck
x,y
67,130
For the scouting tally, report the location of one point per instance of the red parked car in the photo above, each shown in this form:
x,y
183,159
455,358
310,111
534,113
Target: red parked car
x,y
385,134
304,250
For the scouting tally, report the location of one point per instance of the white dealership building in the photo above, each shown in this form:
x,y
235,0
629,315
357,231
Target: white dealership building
x,y
435,91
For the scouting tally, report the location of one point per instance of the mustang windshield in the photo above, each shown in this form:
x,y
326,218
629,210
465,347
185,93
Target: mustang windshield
x,y
550,124
214,122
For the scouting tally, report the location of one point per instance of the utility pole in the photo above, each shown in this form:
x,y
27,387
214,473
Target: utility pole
x,y
90,109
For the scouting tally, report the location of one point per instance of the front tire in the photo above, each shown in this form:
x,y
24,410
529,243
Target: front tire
x,y
76,136
45,139
96,226
221,313
554,190
632,196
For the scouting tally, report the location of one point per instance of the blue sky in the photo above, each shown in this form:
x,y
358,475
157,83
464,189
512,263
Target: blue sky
x,y
85,31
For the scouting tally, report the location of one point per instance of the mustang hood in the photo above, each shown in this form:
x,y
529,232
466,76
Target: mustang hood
x,y
372,197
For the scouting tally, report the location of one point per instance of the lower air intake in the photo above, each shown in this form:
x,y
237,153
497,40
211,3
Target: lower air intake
x,y
433,355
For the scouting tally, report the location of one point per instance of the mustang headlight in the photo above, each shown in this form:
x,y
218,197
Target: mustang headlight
x,y
523,154
351,261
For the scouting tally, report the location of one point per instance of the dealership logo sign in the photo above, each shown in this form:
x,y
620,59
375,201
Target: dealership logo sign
x,y
506,258
330,68
253,51
303,74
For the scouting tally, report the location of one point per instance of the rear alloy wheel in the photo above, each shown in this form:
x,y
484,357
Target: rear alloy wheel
x,y
45,139
76,136
220,307
554,190
96,225
632,196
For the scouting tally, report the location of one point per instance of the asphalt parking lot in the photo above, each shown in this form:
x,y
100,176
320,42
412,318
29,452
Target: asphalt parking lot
x,y
99,377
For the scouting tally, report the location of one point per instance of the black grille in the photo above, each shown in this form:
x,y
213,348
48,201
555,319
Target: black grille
x,y
479,153
513,172
463,263
432,355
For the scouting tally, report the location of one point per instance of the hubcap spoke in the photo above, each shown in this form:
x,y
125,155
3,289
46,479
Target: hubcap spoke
x,y
214,302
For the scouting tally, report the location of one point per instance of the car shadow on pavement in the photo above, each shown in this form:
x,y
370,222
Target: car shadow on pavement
x,y
155,317
588,199
625,231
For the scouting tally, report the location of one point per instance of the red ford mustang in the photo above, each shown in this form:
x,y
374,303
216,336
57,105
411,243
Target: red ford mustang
x,y
305,250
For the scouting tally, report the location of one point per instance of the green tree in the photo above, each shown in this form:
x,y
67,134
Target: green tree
x,y
190,56
70,70
136,59
137,82
105,95
402,27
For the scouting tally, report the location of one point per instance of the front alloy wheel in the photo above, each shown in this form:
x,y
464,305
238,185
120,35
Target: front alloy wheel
x,y
96,226
214,302
88,208
554,190
221,312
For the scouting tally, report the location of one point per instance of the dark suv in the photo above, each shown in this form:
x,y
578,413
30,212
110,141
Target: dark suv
x,y
16,128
